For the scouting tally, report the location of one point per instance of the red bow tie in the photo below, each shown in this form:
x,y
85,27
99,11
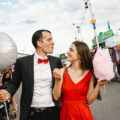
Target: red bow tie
x,y
40,61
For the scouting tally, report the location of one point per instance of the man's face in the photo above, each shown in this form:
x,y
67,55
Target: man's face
x,y
46,42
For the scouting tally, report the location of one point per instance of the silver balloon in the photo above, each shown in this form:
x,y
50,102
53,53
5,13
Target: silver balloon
x,y
8,52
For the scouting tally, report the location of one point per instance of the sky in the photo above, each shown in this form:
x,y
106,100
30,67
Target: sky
x,y
21,18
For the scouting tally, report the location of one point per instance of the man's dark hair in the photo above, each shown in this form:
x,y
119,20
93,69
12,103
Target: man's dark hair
x,y
37,36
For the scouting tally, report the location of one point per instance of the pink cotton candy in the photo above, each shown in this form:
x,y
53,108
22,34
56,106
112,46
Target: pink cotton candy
x,y
103,66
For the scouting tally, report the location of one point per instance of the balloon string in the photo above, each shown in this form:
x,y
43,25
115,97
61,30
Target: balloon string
x,y
104,88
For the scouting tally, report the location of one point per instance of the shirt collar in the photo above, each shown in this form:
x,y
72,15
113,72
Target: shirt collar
x,y
36,55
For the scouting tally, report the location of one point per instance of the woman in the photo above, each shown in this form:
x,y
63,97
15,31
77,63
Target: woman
x,y
77,84
5,81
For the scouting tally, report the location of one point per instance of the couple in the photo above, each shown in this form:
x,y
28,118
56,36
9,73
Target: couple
x,y
42,82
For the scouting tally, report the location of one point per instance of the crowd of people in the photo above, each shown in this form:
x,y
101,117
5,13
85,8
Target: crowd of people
x,y
51,91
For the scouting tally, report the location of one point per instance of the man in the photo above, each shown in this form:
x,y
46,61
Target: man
x,y
35,73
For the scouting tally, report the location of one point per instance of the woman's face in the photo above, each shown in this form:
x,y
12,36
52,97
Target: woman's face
x,y
72,54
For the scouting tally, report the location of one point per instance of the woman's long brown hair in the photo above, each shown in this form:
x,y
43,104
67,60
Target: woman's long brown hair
x,y
86,60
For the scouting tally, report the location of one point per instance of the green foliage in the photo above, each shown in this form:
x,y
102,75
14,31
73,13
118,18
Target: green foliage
x,y
63,56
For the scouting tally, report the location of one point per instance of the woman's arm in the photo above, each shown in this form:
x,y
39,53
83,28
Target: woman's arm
x,y
14,104
58,75
93,92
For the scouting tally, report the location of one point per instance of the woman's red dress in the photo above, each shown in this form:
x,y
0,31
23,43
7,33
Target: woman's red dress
x,y
74,106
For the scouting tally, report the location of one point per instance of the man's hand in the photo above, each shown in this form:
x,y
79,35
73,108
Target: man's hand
x,y
4,96
57,74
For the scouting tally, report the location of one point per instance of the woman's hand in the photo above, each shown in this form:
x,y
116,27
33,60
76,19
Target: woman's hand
x,y
57,74
102,82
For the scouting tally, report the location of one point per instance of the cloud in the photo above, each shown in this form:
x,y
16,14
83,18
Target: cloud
x,y
8,3
27,16
2,23
23,2
1,12
15,6
30,21
70,5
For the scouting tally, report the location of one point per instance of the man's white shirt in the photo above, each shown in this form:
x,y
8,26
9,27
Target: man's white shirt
x,y
42,94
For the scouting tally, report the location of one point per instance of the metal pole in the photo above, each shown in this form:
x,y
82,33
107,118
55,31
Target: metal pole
x,y
6,110
93,21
